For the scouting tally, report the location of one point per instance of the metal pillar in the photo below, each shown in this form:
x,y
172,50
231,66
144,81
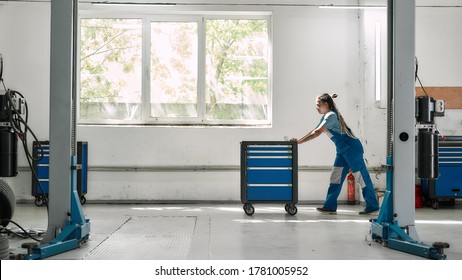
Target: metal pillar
x,y
403,33
67,227
61,67
395,226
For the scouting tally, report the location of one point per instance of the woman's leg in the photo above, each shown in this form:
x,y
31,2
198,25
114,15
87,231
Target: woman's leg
x,y
337,177
355,159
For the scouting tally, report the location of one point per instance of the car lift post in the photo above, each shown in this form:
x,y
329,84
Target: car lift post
x,y
395,225
67,226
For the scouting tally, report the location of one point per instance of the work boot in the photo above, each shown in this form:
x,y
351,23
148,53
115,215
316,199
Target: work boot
x,y
368,212
326,211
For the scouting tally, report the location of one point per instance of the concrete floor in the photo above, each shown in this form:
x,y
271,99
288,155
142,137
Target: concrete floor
x,y
224,231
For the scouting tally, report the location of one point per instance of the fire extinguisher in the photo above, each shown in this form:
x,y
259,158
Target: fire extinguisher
x,y
351,189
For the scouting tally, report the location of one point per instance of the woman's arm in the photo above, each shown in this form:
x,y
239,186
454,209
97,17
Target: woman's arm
x,y
311,135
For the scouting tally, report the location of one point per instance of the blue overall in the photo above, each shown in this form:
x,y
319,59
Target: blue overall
x,y
349,156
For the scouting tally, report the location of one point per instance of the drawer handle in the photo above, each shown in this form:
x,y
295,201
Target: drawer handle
x,y
269,185
270,152
456,190
269,146
267,157
269,168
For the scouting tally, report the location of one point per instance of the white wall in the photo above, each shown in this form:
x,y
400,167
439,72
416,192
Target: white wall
x,y
314,50
438,49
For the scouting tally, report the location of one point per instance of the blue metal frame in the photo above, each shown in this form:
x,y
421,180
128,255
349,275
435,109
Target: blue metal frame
x,y
388,232
76,230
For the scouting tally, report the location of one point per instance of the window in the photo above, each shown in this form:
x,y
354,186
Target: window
x,y
110,70
237,69
174,60
177,70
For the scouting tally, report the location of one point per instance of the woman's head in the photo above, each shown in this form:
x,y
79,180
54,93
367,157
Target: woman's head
x,y
325,103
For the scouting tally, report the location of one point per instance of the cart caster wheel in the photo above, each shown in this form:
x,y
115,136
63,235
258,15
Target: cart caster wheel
x,y
292,210
428,202
248,209
287,207
435,205
83,200
38,201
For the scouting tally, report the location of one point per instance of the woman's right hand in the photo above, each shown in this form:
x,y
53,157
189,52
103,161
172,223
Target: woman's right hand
x,y
294,139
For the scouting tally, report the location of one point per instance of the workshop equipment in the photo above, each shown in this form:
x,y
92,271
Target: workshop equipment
x,y
426,109
8,139
351,200
7,203
448,186
8,158
395,225
269,174
4,247
41,151
419,203
12,127
67,226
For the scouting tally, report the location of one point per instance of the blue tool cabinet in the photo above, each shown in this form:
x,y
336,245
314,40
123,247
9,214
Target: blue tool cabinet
x,y
41,168
269,174
448,186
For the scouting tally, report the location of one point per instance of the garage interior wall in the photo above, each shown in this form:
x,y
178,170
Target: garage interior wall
x,y
314,51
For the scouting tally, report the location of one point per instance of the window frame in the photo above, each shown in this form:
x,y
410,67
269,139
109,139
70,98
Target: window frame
x,y
147,118
200,18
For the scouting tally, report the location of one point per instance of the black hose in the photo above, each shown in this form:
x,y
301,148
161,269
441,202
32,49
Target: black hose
x,y
18,122
20,227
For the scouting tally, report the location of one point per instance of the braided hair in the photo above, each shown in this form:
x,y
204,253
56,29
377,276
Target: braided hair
x,y
327,98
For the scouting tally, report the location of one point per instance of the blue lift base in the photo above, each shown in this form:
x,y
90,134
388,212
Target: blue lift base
x,y
392,236
72,236
75,232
